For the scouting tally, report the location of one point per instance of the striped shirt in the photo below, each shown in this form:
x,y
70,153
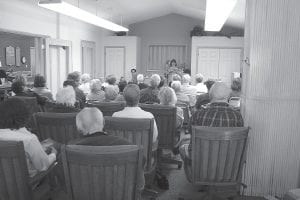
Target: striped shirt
x,y
218,114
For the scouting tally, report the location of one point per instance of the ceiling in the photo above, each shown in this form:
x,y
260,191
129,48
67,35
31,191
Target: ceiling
x,y
132,11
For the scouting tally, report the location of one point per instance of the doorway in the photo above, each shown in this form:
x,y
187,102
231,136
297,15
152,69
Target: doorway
x,y
114,61
88,59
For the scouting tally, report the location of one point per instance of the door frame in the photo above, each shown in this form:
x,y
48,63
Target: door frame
x,y
59,43
124,64
90,44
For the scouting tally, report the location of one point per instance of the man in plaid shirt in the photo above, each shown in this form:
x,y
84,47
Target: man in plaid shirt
x,y
216,114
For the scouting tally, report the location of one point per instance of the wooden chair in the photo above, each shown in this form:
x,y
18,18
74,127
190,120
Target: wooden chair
x,y
218,156
137,131
165,117
60,127
102,172
15,183
108,108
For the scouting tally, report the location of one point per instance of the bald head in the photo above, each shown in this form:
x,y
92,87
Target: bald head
x,y
219,92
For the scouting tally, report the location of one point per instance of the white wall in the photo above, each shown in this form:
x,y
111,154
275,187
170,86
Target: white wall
x,y
210,42
132,49
28,17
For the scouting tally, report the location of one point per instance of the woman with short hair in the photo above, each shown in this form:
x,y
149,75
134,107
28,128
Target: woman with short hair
x,y
96,93
39,87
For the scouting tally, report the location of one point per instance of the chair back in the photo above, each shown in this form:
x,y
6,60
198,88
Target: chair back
x,y
137,131
108,108
102,172
218,154
31,103
14,182
60,127
165,118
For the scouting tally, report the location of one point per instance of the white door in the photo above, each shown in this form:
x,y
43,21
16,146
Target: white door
x,y
230,61
208,63
115,61
88,50
57,63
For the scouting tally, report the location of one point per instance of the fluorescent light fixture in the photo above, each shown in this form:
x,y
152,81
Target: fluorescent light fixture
x,y
77,13
217,12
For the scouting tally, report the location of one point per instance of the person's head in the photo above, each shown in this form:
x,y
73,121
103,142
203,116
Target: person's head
x,y
21,78
85,78
162,82
176,77
90,120
173,63
96,86
122,85
110,93
219,92
176,85
140,78
167,96
66,96
154,80
186,79
132,95
111,79
236,84
209,83
39,81
17,86
75,76
199,78
69,82
14,114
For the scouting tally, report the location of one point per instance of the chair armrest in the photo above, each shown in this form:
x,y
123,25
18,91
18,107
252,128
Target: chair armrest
x,y
41,175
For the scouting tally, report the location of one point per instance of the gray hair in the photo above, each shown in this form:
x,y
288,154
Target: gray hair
x,y
154,80
85,78
167,96
140,78
176,85
95,85
219,92
90,120
199,78
66,96
186,78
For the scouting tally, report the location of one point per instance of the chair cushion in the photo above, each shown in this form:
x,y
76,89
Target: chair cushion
x,y
293,195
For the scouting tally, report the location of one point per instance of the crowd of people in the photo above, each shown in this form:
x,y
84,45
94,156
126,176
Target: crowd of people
x,y
208,103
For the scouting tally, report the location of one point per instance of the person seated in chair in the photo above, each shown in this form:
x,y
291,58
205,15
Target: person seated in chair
x,y
39,87
189,90
110,93
85,83
181,97
150,94
13,118
96,93
217,114
200,86
204,99
80,96
140,81
132,110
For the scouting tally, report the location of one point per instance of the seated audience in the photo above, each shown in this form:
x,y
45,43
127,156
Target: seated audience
x,y
168,97
140,81
65,101
18,87
96,93
201,88
181,97
85,83
13,118
149,94
175,77
132,97
39,87
217,114
122,85
111,80
110,93
236,87
188,89
90,123
80,96
204,99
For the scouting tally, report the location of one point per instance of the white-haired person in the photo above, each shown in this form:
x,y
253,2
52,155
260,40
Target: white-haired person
x,y
110,93
181,97
189,90
131,95
201,88
140,81
96,93
168,97
85,83
150,94
216,114
65,101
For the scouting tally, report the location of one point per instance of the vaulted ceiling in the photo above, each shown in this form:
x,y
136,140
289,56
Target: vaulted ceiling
x,y
133,11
